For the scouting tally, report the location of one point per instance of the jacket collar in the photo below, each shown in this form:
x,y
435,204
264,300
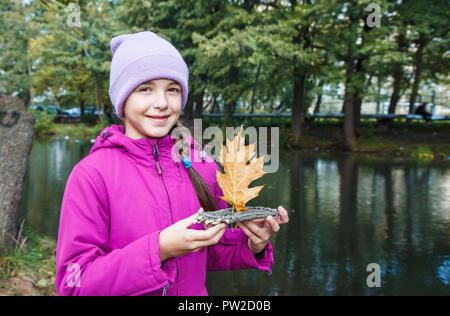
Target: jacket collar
x,y
142,149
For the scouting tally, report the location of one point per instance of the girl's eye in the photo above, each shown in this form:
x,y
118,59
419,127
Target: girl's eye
x,y
148,89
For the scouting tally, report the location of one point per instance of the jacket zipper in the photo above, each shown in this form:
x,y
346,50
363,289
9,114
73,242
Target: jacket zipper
x,y
159,170
165,290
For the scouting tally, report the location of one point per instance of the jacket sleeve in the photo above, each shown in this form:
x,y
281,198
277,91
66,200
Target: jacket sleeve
x,y
84,263
232,251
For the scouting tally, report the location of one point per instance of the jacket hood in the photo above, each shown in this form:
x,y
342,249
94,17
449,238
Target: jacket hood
x,y
142,149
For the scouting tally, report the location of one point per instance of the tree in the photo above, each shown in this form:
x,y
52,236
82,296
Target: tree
x,y
17,27
16,129
177,21
74,60
353,42
226,53
425,31
399,54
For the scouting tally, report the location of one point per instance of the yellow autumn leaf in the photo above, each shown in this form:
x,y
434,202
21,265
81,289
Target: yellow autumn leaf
x,y
238,174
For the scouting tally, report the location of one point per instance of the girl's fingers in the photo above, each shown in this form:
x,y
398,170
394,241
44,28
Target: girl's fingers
x,y
205,235
272,224
189,221
284,218
199,243
207,226
259,221
258,233
250,233
263,232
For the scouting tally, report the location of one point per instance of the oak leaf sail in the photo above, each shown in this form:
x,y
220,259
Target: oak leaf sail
x,y
238,174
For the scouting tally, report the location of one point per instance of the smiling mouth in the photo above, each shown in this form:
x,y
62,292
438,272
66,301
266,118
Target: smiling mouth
x,y
158,116
159,119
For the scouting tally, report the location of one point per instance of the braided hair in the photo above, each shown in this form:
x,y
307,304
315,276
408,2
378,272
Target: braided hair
x,y
201,189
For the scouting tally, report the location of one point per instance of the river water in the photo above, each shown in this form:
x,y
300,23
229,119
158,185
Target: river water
x,y
345,214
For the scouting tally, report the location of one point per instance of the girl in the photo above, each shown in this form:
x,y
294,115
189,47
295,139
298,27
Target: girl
x,y
128,207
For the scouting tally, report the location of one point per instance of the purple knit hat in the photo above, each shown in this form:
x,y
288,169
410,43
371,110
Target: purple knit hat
x,y
141,57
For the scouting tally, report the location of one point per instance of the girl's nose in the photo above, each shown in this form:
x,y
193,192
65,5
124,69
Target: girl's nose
x,y
160,99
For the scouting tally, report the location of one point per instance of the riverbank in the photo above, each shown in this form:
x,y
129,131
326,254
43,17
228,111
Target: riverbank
x,y
29,269
80,131
416,142
411,141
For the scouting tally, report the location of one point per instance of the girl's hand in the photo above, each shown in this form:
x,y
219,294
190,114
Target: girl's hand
x,y
177,239
260,230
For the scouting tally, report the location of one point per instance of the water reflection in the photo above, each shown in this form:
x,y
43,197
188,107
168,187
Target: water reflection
x,y
49,165
345,213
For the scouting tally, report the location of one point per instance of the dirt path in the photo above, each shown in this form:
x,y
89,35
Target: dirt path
x,y
24,286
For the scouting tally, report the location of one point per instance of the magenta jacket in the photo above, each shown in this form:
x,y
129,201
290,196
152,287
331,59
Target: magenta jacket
x,y
116,203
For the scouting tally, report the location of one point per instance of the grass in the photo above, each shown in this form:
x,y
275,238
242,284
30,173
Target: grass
x,y
79,131
45,126
29,268
413,140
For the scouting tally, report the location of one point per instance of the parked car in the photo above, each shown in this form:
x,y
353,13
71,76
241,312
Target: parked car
x,y
36,107
92,110
60,115
89,110
74,112
33,107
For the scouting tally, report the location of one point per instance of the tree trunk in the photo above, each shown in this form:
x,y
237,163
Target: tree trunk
x,y
417,76
98,99
319,97
254,88
188,111
299,98
214,103
348,107
199,104
349,121
16,132
398,74
230,104
357,112
30,77
228,112
81,102
379,83
402,46
359,94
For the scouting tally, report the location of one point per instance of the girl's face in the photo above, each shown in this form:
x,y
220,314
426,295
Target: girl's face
x,y
152,109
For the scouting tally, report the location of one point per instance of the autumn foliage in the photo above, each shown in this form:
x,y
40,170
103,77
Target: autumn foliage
x,y
238,174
